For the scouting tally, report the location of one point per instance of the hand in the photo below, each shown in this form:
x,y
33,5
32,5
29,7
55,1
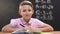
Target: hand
x,y
27,28
34,29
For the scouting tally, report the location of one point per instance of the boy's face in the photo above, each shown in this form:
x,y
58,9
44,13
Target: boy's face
x,y
26,11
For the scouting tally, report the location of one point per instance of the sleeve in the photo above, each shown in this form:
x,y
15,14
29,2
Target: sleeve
x,y
40,23
13,22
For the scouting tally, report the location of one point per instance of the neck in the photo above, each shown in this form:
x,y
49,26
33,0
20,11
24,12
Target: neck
x,y
26,20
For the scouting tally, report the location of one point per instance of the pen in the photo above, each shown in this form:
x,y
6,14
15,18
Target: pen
x,y
22,25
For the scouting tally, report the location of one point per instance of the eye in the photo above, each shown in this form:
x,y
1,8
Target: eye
x,y
29,10
24,10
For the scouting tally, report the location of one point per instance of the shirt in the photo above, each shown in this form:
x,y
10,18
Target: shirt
x,y
33,23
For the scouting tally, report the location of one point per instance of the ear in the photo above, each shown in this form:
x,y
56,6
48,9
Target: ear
x,y
33,12
19,12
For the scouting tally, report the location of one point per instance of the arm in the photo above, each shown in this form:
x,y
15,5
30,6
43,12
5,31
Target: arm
x,y
9,28
45,28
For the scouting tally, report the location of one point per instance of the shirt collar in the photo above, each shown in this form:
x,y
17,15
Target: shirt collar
x,y
24,22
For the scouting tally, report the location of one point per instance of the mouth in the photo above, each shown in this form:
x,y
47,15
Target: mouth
x,y
27,15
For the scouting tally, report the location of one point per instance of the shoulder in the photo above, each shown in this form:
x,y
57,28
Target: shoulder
x,y
37,20
15,20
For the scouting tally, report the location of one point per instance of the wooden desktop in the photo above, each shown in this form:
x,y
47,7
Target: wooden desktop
x,y
54,32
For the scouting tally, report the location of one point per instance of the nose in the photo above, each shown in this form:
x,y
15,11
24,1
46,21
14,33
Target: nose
x,y
27,12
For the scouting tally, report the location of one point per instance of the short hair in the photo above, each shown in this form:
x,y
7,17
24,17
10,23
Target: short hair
x,y
26,3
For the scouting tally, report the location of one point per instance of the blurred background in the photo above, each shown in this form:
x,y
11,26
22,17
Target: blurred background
x,y
45,10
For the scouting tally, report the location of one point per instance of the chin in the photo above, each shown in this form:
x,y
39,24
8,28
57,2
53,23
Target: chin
x,y
27,18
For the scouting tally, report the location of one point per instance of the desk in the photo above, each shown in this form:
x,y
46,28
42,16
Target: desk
x,y
54,32
4,33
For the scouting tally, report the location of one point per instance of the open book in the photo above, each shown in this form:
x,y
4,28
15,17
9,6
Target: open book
x,y
26,32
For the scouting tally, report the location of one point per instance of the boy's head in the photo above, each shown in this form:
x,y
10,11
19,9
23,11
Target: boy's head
x,y
26,9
